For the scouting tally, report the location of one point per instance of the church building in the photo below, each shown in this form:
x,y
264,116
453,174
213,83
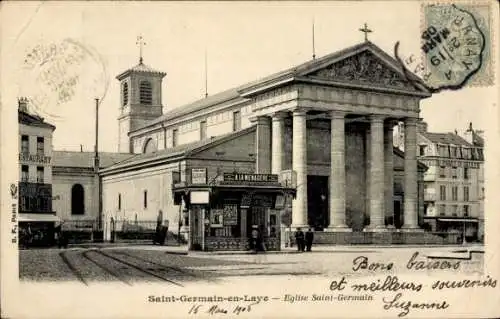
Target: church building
x,y
316,138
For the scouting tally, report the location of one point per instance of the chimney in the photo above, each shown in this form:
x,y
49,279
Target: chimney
x,y
23,104
421,126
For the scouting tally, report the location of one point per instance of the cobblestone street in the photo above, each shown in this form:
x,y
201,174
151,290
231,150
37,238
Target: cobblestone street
x,y
132,264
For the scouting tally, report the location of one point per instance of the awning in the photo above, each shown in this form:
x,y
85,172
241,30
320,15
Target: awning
x,y
38,218
461,220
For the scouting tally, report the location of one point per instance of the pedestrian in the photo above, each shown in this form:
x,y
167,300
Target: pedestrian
x,y
261,241
309,239
299,238
254,239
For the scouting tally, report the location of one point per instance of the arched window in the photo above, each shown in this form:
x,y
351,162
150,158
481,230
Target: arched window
x,y
145,93
124,93
77,200
149,146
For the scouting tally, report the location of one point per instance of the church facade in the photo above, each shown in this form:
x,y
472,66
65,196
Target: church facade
x,y
325,127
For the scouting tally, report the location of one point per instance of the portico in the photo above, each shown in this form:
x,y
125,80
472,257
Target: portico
x,y
357,97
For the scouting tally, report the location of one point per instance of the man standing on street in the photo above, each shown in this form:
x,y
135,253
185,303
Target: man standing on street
x,y
309,239
299,238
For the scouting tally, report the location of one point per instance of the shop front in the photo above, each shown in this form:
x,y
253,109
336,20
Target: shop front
x,y
223,214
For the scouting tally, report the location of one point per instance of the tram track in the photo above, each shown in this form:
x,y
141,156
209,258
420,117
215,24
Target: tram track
x,y
146,271
74,270
116,267
107,269
176,269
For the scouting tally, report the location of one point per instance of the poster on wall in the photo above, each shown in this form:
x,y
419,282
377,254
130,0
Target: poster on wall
x,y
230,213
216,218
199,176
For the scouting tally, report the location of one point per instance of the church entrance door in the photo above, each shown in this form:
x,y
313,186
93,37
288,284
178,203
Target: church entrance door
x,y
317,202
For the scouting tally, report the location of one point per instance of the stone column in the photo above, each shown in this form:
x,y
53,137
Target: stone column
x,y
377,178
278,147
263,145
367,171
337,173
389,171
299,165
411,178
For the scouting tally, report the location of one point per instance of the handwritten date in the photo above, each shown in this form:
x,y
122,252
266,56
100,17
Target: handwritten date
x,y
218,309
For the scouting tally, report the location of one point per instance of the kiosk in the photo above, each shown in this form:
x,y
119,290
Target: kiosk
x,y
223,211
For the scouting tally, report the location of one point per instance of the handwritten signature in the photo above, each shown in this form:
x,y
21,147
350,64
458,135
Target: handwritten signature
x,y
218,309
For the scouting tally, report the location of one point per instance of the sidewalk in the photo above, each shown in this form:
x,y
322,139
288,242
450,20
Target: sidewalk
x,y
183,249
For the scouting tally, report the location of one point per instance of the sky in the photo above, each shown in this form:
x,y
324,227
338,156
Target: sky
x,y
243,41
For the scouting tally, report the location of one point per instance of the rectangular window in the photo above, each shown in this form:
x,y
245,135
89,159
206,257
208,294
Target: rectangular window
x,y
203,130
454,172
39,174
442,210
40,147
119,202
25,144
454,210
442,171
453,151
466,173
466,210
422,150
466,193
145,204
25,173
175,137
442,192
454,193
236,121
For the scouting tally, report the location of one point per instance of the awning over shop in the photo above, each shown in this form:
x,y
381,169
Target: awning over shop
x,y
38,218
461,220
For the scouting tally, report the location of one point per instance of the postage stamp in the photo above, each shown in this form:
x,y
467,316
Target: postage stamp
x,y
55,73
456,46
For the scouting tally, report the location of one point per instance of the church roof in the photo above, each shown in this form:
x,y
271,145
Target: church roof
x,y
178,151
445,138
140,68
86,159
238,94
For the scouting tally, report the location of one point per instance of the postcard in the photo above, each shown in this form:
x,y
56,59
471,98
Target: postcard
x,y
315,159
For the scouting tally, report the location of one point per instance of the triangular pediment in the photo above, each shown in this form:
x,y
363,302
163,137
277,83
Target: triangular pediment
x,y
366,68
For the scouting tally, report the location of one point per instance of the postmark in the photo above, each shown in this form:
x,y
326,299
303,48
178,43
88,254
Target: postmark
x,y
57,73
455,47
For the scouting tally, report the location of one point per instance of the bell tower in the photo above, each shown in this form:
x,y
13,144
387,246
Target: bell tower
x,y
140,99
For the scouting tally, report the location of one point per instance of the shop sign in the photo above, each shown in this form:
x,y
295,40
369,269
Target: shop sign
x,y
199,197
198,176
244,178
34,158
280,202
35,189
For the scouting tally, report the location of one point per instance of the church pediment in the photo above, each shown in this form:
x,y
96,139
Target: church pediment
x,y
364,68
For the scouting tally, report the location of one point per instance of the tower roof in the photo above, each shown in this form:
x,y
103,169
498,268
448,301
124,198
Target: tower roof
x,y
141,68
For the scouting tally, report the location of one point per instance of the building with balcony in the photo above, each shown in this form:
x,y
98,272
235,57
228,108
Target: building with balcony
x,y
476,138
36,214
452,184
